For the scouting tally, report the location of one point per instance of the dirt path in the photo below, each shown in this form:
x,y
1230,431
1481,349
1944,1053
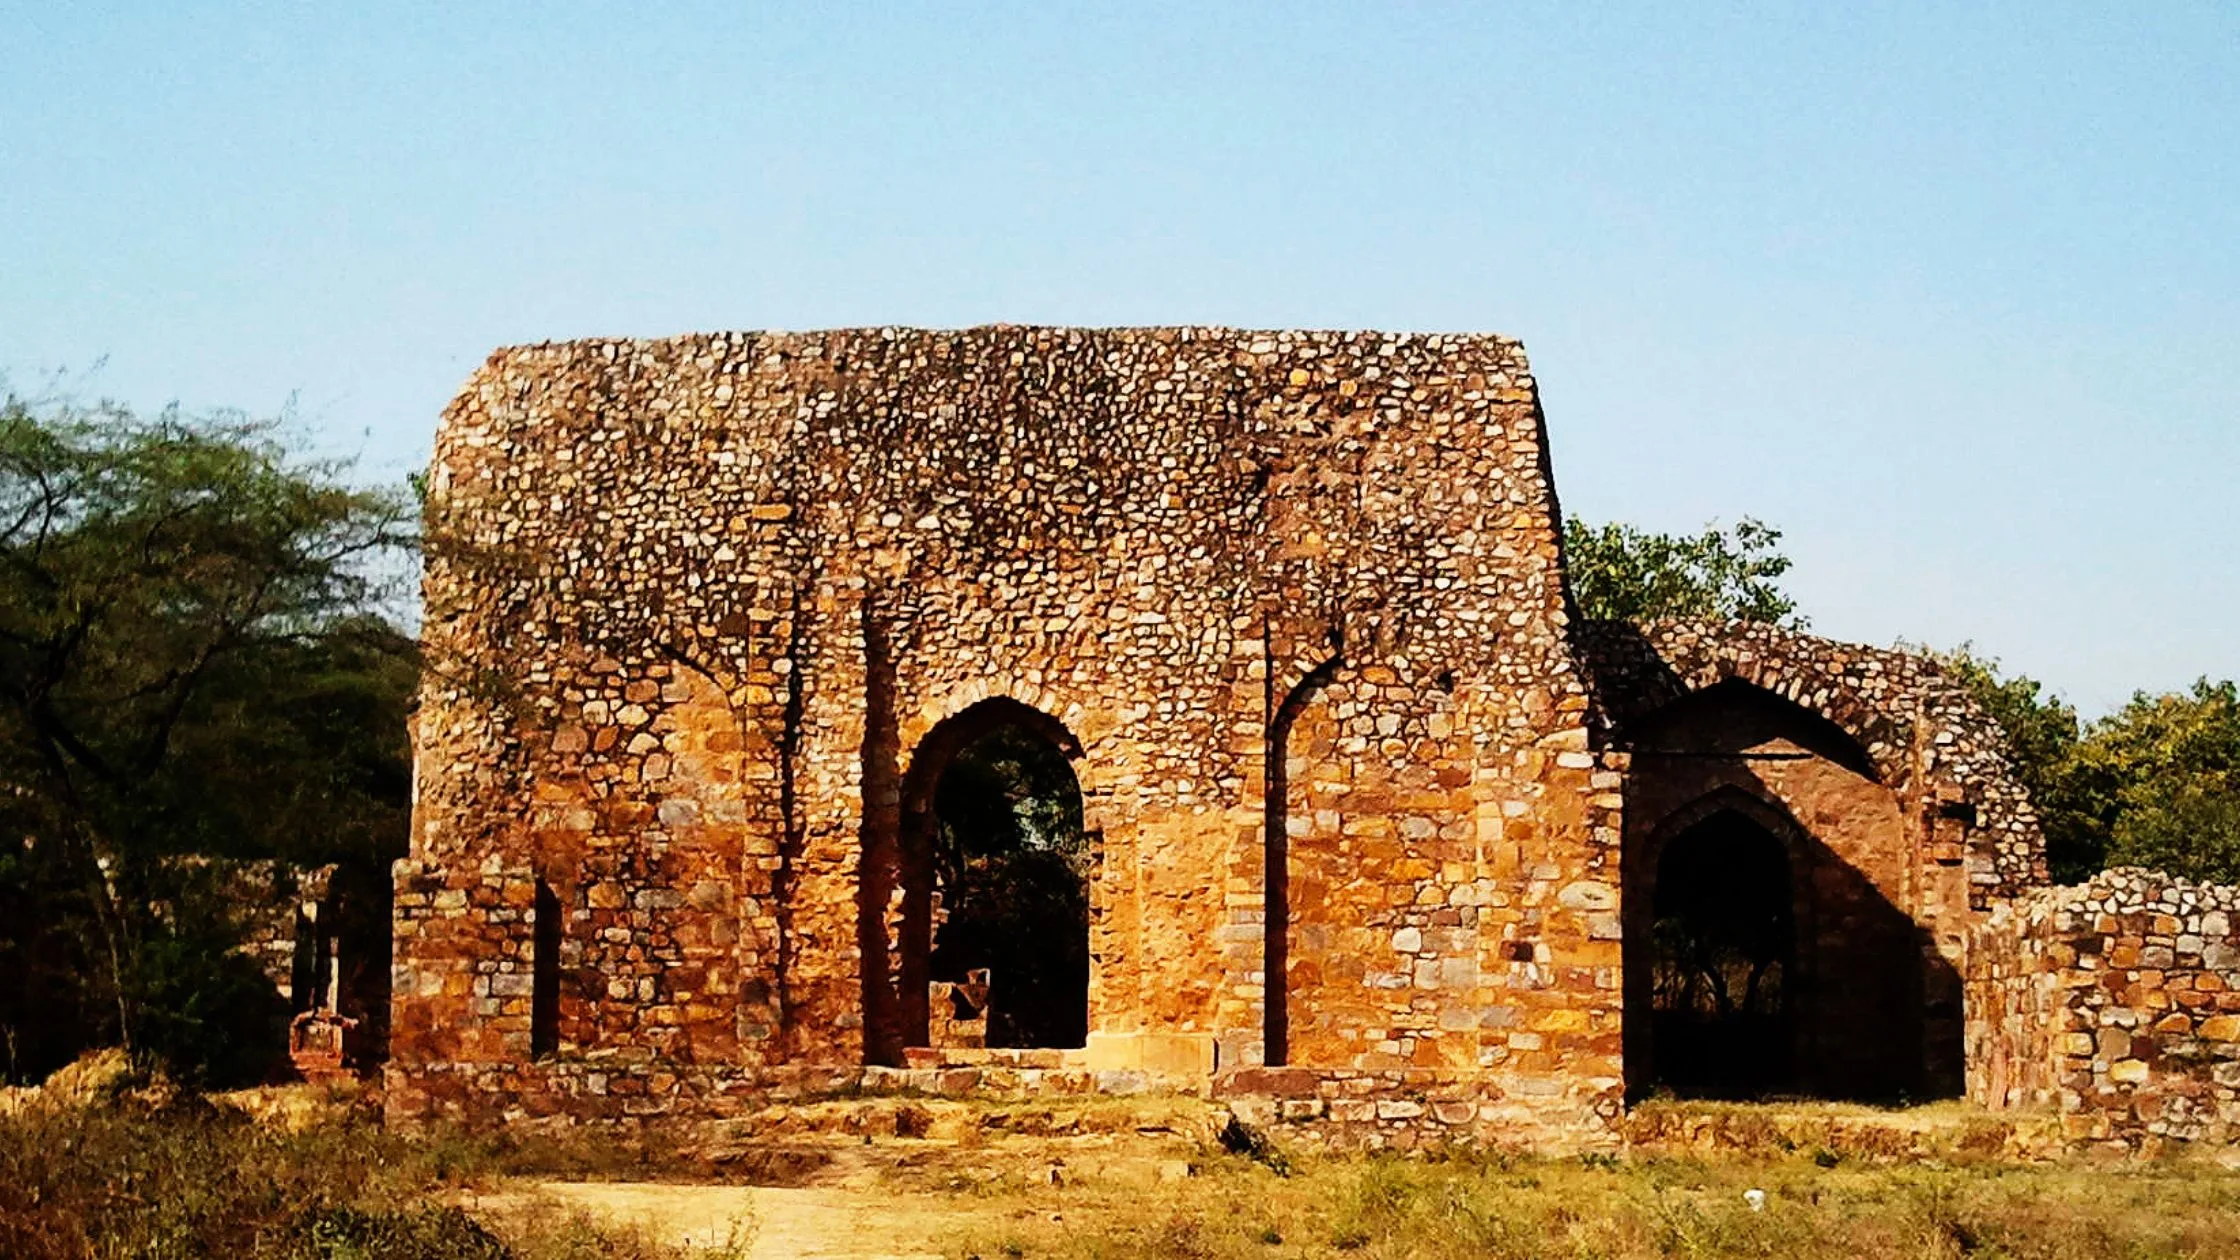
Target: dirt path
x,y
825,1222
860,1198
847,1213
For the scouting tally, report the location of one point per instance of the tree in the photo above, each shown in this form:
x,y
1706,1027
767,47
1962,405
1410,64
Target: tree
x,y
194,669
1621,573
2156,783
2166,772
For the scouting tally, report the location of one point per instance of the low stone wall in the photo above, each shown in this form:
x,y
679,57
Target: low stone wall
x,y
604,1091
1410,1110
1833,1132
2114,1004
1315,1108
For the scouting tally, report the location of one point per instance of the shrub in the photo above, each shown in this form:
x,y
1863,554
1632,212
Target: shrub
x,y
151,1172
427,1233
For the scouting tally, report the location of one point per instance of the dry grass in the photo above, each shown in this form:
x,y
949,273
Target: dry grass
x,y
133,1171
1621,1210
140,1170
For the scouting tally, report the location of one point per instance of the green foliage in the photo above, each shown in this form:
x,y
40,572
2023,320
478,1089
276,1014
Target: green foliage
x,y
2169,768
1621,573
2155,784
193,670
204,1009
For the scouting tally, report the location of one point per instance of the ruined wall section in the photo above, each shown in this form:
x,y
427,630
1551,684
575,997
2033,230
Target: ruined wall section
x,y
1928,738
692,603
2116,1005
1438,790
1932,831
600,715
1069,520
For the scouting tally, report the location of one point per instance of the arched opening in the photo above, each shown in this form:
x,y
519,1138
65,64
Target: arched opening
x,y
1276,838
1722,965
996,880
544,975
1732,770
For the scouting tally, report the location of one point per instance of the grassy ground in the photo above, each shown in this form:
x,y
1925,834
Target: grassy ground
x,y
1618,1210
1646,1208
140,1172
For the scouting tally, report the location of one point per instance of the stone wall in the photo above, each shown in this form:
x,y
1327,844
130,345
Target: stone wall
x,y
2115,1004
1419,1109
698,609
272,902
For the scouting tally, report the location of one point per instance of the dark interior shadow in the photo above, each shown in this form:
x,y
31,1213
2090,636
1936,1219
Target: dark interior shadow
x,y
1845,1016
1275,1039
1722,964
991,819
340,964
360,897
878,872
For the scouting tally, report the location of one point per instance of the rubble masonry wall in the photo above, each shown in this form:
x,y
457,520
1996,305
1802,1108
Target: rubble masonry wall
x,y
2114,1003
692,604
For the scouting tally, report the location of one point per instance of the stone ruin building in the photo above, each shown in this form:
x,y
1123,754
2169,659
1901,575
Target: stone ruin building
x,y
1361,826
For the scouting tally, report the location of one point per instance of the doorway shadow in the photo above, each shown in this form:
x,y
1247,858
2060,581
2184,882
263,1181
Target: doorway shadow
x,y
1760,960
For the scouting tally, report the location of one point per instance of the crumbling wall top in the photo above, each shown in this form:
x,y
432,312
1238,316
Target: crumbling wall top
x,y
1360,480
1921,728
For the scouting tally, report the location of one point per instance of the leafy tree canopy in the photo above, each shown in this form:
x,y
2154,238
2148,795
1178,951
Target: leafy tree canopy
x,y
2155,784
193,661
2165,771
1622,573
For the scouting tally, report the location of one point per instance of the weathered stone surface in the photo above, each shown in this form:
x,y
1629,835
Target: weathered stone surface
x,y
695,608
2066,1011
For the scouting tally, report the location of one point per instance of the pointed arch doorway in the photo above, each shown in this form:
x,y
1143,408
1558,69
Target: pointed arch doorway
x,y
996,865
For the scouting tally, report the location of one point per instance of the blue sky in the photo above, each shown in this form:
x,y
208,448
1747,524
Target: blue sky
x,y
1949,293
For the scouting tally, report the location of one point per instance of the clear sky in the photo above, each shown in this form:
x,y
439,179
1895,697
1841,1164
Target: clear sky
x,y
1950,293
